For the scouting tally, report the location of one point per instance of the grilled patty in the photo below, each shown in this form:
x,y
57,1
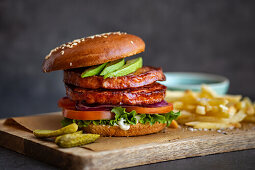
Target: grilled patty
x,y
143,76
148,94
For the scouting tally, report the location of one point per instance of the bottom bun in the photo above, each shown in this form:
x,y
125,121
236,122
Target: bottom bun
x,y
134,130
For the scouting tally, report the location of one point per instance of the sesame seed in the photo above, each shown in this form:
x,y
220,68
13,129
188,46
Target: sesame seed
x,y
71,64
48,56
62,52
77,41
105,34
132,42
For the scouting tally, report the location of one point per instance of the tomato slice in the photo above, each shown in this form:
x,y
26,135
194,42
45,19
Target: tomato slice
x,y
87,115
150,110
65,102
69,111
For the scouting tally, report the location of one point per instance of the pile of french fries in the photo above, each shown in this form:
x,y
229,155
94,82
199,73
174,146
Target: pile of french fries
x,y
207,110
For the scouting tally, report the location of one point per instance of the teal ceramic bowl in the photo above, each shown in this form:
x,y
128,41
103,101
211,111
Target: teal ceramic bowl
x,y
193,81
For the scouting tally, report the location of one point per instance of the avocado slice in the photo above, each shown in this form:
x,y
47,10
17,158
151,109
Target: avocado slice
x,y
92,71
130,67
112,66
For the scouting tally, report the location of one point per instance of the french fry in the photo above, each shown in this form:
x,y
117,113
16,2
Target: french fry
x,y
186,120
223,109
191,118
206,109
173,95
190,107
240,105
209,125
185,114
207,92
232,111
217,102
189,97
174,125
250,110
178,105
232,98
247,101
237,117
218,112
249,119
200,110
203,101
194,117
211,119
185,117
248,106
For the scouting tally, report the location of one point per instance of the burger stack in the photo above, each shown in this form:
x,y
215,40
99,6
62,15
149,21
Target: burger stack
x,y
107,93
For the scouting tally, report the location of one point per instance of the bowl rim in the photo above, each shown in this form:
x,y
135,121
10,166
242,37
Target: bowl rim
x,y
222,80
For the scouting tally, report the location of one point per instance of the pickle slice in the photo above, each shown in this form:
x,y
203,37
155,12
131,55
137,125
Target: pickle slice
x,y
78,132
130,67
53,133
92,71
73,140
112,66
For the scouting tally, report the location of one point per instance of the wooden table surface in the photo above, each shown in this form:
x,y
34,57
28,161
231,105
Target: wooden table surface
x,y
232,160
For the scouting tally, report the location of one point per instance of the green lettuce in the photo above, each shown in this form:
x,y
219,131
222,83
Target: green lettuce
x,y
129,117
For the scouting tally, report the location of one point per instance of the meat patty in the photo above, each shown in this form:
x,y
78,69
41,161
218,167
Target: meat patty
x,y
143,76
148,94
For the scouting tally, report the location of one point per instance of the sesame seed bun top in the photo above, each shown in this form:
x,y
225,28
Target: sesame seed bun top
x,y
93,50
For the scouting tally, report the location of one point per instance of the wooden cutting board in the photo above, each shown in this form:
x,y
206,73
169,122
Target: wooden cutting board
x,y
193,144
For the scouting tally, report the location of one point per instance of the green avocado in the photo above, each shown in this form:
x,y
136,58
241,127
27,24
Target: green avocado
x,y
112,66
92,71
130,67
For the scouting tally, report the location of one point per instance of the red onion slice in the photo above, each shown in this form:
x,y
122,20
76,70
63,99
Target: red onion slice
x,y
84,107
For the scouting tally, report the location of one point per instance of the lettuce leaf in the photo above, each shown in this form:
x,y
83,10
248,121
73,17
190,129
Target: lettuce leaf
x,y
129,117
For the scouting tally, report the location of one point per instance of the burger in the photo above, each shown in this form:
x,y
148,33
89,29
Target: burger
x,y
106,93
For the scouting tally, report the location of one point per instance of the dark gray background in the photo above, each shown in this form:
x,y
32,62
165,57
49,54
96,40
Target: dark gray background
x,y
213,36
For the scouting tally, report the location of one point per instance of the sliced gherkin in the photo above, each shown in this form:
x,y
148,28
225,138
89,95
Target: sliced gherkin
x,y
73,140
57,138
92,71
53,133
130,67
112,66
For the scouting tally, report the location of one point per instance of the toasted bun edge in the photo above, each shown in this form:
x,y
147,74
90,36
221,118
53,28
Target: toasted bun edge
x,y
134,130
